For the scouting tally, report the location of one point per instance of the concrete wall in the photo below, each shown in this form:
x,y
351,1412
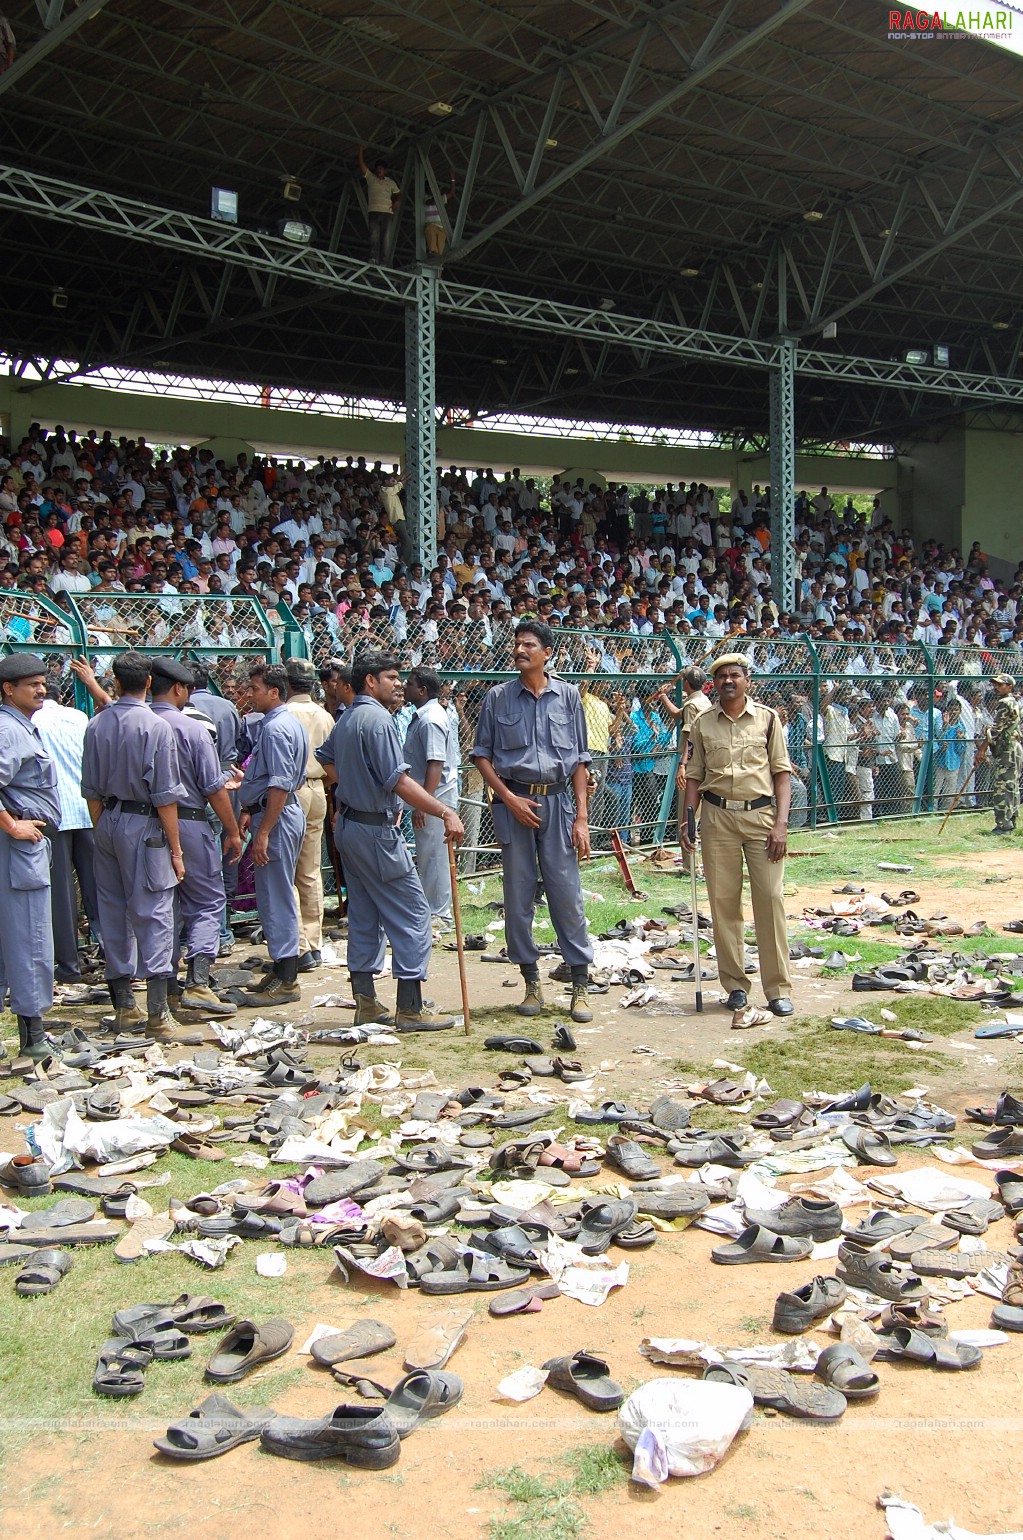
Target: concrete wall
x,y
939,489
994,477
168,420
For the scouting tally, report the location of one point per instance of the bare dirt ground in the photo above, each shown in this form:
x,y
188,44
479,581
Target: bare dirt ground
x,y
945,1441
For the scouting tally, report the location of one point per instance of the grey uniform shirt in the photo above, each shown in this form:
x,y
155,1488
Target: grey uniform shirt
x,y
278,759
28,776
532,738
367,757
225,718
130,753
431,736
201,771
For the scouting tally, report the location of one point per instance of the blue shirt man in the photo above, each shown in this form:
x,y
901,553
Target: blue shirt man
x,y
132,783
270,808
29,813
530,747
364,759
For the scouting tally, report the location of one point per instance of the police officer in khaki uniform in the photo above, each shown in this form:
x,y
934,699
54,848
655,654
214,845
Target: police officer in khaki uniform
x,y
740,771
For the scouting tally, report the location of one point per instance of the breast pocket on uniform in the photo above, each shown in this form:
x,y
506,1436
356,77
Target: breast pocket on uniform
x,y
157,867
562,724
30,865
751,753
512,731
718,756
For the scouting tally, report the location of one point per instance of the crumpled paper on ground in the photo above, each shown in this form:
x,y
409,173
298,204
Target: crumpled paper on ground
x,y
64,1139
931,1189
799,1354
730,1218
906,1522
523,1194
814,1158
589,1280
11,1218
212,1252
523,1384
840,1187
259,1035
388,1266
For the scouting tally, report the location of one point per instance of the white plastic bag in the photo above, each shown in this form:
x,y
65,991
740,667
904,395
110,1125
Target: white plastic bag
x,y
681,1427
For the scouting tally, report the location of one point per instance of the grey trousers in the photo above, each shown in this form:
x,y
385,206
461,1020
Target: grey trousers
x,y
434,867
546,851
385,900
135,885
275,882
73,854
26,933
199,899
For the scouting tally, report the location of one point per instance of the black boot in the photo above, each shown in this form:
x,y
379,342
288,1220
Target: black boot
x,y
159,1020
281,988
127,1016
369,1011
32,1037
410,1016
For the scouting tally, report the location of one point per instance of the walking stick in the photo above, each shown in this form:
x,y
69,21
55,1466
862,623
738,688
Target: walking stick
x,y
955,800
456,911
691,831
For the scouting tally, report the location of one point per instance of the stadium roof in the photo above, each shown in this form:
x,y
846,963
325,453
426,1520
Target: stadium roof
x,y
680,162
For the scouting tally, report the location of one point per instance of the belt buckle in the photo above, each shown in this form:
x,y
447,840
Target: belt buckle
x,y
539,788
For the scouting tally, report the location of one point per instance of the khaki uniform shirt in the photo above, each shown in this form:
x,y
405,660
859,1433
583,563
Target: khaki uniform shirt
x,y
695,706
319,725
738,759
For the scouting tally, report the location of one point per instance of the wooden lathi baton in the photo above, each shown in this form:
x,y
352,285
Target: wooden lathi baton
x,y
456,911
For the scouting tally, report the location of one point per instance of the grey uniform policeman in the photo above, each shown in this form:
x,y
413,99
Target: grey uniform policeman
x,y
200,894
364,757
530,749
132,783
29,813
224,715
431,748
270,807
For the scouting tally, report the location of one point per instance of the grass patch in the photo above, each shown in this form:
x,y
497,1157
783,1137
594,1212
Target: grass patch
x,y
813,1056
845,851
548,1506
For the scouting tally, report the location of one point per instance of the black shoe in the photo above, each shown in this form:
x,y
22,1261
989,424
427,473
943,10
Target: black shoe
x,y
306,963
781,1007
317,957
737,1000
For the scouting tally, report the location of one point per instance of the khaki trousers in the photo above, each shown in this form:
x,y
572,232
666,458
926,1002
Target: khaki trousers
x,y
312,799
729,839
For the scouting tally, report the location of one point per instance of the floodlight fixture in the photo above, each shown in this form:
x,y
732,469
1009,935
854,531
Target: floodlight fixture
x,y
224,205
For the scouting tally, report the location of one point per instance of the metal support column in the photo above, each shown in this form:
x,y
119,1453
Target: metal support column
x,y
783,476
420,416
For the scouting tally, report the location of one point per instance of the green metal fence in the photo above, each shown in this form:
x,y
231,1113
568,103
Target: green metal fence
x,y
873,731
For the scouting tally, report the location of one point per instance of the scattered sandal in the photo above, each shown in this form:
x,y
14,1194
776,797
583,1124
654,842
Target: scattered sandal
x,y
934,1352
43,1272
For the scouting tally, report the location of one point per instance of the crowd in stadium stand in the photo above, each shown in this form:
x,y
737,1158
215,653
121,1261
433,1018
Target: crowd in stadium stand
x,y
99,514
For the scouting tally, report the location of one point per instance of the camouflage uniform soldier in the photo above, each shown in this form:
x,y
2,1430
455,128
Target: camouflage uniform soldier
x,y
1002,741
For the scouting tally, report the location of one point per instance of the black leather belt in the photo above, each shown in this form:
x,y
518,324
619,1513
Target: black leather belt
x,y
257,807
193,814
536,788
143,809
356,815
736,807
